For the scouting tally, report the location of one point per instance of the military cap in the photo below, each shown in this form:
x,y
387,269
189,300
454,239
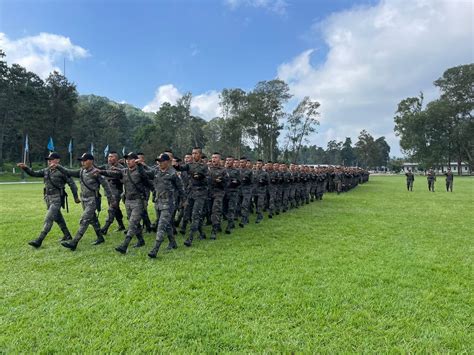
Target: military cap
x,y
86,156
163,157
53,155
131,155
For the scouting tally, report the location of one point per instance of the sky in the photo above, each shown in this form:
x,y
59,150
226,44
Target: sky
x,y
357,58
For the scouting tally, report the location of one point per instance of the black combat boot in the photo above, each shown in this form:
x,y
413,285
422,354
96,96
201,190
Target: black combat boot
x,y
202,235
154,251
67,236
121,226
104,230
183,227
214,232
188,242
270,215
122,248
141,241
100,238
228,228
172,244
259,218
72,244
38,241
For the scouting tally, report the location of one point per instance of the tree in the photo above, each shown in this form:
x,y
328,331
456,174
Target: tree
x,y
366,150
347,153
300,124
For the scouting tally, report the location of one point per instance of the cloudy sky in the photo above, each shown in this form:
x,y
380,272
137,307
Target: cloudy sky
x,y
358,58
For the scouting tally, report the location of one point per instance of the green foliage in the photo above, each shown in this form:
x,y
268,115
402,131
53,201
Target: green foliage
x,y
443,131
376,270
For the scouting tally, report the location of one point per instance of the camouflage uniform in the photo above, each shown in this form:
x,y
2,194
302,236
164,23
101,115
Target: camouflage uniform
x,y
449,181
232,196
410,180
114,211
166,185
54,197
198,173
218,179
134,181
431,180
262,180
247,188
286,182
91,200
272,192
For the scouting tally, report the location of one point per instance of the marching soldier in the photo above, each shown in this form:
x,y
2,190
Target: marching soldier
x,y
449,180
116,187
218,183
262,180
198,173
246,173
165,182
134,180
431,180
410,179
148,191
232,192
91,199
54,196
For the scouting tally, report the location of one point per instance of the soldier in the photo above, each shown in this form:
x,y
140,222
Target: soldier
x,y
55,197
232,192
148,191
218,182
91,198
338,177
166,182
246,173
185,212
133,178
286,182
116,187
262,180
431,177
272,188
198,173
410,179
449,180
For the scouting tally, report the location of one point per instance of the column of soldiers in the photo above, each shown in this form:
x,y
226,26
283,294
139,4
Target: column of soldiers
x,y
431,179
185,194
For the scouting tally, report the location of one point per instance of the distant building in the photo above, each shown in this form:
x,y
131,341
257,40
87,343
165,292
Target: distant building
x,y
438,169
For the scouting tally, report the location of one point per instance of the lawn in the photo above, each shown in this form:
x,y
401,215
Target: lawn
x,y
377,269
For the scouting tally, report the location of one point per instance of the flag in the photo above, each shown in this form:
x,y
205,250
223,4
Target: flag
x,y
27,145
92,149
69,147
123,151
106,151
51,144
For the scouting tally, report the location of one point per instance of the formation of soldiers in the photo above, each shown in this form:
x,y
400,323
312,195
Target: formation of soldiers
x,y
187,195
431,178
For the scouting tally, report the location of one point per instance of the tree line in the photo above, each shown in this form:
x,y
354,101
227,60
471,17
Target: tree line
x,y
441,131
254,123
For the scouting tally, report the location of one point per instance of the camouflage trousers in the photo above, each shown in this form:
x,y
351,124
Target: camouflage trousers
x,y
410,185
260,194
134,214
53,204
431,185
164,212
196,202
271,195
449,186
246,202
114,212
285,194
217,197
89,217
231,200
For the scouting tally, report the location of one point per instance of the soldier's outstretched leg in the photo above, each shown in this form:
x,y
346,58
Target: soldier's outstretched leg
x,y
88,217
53,204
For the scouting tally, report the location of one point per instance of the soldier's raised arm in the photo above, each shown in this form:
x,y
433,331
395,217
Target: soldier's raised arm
x,y
117,174
69,172
29,171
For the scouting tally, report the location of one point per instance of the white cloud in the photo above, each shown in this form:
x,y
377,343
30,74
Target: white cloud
x,y
276,6
204,105
41,53
376,57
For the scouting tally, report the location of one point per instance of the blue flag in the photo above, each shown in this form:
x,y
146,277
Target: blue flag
x,y
69,147
106,151
51,144
27,145
92,149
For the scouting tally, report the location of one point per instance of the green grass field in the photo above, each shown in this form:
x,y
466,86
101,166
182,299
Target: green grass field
x,y
377,269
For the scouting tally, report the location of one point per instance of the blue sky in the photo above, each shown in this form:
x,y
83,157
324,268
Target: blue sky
x,y
146,52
